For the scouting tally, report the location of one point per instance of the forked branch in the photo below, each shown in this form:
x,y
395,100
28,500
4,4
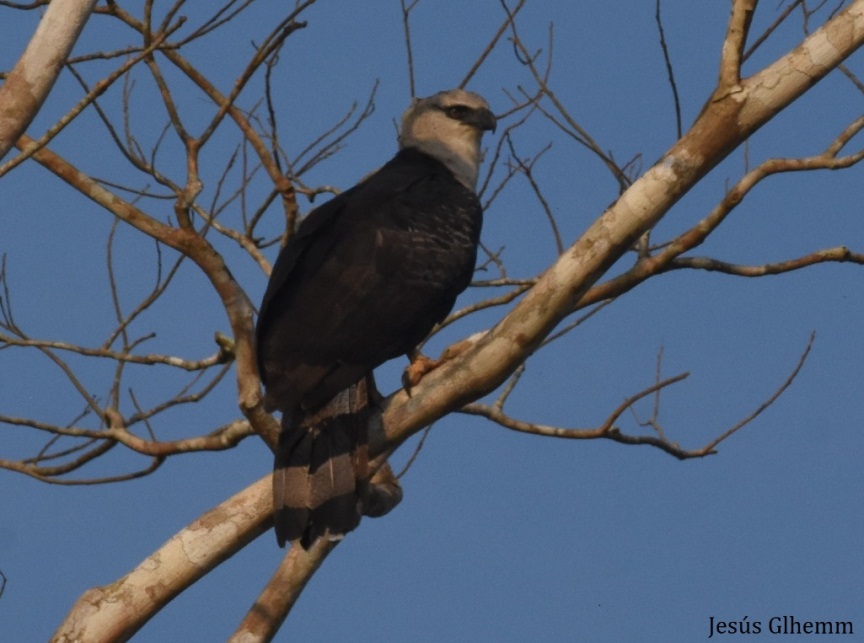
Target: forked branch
x,y
610,429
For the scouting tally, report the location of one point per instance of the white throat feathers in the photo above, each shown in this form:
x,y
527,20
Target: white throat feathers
x,y
449,126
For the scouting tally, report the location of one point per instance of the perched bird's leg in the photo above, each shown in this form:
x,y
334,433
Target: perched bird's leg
x,y
415,371
373,394
421,365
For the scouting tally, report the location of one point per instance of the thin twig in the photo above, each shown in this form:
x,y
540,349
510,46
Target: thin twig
x,y
490,47
407,7
670,72
709,448
416,453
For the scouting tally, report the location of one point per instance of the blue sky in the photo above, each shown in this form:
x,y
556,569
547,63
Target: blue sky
x,y
501,536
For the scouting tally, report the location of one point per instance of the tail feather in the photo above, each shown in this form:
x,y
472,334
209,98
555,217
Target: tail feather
x,y
291,484
319,483
335,506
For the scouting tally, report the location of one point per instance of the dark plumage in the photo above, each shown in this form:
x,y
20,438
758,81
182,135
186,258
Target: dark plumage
x,y
364,280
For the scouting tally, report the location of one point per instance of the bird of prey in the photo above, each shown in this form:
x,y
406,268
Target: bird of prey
x,y
363,280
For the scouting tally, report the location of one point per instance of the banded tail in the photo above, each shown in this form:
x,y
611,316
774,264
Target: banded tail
x,y
320,475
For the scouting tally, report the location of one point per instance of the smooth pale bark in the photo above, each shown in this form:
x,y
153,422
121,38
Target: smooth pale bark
x,y
115,612
29,83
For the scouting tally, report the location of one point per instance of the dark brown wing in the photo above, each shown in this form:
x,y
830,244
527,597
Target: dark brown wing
x,y
365,279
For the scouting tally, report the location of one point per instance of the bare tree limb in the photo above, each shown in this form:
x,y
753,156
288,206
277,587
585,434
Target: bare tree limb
x,y
669,256
733,45
27,86
115,612
608,429
266,616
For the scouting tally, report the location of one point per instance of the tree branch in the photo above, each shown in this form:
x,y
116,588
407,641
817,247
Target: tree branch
x,y
733,45
269,611
115,612
29,83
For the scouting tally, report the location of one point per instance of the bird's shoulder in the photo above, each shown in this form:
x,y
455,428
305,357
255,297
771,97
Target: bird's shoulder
x,y
412,183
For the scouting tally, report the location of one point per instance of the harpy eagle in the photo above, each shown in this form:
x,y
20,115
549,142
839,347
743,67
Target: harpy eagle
x,y
364,279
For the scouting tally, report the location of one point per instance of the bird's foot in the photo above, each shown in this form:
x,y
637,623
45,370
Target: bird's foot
x,y
419,367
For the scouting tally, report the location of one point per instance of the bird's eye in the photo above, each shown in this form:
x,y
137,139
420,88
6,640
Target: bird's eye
x,y
457,111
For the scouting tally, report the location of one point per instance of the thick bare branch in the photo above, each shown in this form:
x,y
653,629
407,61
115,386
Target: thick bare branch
x,y
114,612
266,616
27,86
757,42
669,257
226,437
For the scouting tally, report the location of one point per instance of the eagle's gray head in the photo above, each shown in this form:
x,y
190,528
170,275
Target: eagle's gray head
x,y
448,126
